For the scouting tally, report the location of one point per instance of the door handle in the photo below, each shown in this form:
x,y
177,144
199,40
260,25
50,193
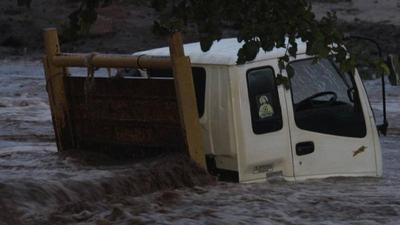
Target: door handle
x,y
304,148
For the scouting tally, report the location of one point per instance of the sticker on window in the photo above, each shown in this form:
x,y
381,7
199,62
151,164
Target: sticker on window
x,y
264,105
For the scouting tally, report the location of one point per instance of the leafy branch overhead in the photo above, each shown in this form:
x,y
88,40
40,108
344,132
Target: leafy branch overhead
x,y
259,24
83,18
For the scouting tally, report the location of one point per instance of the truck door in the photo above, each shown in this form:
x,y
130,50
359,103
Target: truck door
x,y
331,134
266,147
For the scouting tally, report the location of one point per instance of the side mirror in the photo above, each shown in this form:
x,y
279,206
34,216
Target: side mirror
x,y
394,65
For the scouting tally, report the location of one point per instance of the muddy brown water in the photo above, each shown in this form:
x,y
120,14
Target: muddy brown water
x,y
39,186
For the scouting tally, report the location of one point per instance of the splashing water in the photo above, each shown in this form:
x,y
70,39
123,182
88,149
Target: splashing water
x,y
37,184
40,186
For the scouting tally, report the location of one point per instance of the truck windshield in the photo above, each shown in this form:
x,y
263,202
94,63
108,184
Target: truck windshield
x,y
325,100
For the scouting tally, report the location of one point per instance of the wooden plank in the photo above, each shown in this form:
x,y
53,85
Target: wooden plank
x,y
55,82
128,133
111,61
186,100
124,99
135,88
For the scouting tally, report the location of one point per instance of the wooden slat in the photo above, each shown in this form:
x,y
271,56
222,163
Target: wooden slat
x,y
186,100
111,61
148,88
55,83
129,134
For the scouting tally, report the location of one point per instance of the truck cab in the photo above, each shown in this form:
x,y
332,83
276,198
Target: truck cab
x,y
254,129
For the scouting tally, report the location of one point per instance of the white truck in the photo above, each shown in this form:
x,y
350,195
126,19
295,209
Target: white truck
x,y
247,126
322,126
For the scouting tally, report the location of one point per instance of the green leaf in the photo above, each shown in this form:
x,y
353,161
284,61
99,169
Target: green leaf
x,y
281,64
285,58
241,56
385,68
290,71
252,48
293,50
206,43
382,67
281,80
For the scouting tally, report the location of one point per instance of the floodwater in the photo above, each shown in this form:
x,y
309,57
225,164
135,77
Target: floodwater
x,y
39,186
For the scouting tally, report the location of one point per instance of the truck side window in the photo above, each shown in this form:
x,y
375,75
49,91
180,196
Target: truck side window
x,y
199,80
265,108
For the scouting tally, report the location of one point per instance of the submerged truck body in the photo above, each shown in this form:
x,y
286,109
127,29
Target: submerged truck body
x,y
236,120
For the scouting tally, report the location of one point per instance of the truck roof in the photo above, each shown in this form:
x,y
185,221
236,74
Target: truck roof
x,y
223,52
